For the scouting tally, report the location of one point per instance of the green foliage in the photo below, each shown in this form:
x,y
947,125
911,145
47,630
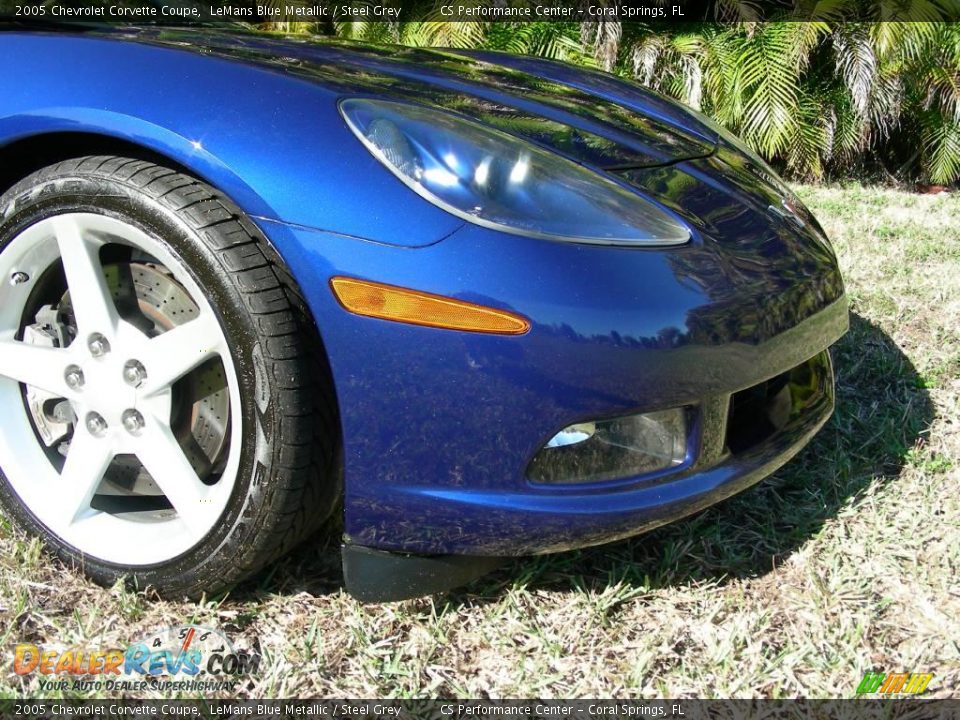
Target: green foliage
x,y
818,97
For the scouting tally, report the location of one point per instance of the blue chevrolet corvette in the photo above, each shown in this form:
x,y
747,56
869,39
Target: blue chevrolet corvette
x,y
481,305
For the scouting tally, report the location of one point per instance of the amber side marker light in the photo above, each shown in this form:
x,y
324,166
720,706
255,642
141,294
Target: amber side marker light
x,y
388,302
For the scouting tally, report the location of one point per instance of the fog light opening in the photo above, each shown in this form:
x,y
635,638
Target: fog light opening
x,y
614,448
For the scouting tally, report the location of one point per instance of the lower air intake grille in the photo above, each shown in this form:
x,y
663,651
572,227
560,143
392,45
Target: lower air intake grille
x,y
759,412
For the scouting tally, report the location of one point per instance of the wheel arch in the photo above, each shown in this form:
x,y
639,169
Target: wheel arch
x,y
54,139
59,139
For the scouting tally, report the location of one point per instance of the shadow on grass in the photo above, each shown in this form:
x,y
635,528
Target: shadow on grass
x,y
882,409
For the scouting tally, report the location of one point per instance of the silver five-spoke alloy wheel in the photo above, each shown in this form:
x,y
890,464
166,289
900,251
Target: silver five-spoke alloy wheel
x,y
167,414
120,426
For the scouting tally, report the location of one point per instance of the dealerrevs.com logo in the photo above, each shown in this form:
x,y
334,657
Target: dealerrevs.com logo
x,y
184,657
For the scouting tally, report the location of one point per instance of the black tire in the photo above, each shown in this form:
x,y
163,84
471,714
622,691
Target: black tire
x,y
288,482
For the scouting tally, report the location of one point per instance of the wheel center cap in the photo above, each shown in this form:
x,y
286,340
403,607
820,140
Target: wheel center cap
x,y
108,376
104,390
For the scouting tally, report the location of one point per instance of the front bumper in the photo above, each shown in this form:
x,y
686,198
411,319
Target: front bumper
x,y
533,521
756,431
439,426
730,449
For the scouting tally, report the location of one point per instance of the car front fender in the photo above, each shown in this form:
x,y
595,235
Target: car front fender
x,y
273,142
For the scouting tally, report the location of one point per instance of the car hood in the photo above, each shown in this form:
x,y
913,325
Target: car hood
x,y
589,116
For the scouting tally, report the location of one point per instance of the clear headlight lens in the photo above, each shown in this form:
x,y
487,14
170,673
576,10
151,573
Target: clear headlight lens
x,y
610,449
493,179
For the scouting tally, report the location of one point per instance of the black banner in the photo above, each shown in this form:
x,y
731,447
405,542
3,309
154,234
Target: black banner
x,y
909,709
578,11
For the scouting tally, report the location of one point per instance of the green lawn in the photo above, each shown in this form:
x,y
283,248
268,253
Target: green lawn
x,y
843,562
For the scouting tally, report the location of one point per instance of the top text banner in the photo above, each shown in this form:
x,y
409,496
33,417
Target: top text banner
x,y
327,12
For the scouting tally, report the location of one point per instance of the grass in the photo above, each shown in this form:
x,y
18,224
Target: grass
x,y
845,561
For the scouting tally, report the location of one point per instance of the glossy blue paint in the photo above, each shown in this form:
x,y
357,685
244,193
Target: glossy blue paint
x,y
439,426
279,148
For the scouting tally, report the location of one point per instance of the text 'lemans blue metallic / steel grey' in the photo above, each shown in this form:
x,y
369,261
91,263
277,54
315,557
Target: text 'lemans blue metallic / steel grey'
x,y
440,427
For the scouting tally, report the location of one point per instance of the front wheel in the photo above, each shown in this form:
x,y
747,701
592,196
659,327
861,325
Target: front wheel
x,y
168,415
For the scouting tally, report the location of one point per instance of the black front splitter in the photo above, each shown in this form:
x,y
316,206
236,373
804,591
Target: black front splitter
x,y
378,576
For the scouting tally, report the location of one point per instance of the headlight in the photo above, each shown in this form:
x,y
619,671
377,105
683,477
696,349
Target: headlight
x,y
493,179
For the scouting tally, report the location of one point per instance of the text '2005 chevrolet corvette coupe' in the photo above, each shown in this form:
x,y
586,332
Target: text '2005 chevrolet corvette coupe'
x,y
483,305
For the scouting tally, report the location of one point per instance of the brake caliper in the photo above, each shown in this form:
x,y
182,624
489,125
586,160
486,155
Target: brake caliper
x,y
53,416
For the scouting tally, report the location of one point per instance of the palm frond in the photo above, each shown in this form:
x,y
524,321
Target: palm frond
x,y
811,142
769,80
857,64
941,147
606,43
645,56
944,91
440,33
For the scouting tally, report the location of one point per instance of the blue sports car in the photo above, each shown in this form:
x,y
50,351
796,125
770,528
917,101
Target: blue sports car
x,y
479,305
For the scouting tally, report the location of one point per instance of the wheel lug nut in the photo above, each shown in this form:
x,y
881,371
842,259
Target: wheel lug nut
x,y
96,425
73,376
133,422
98,345
134,373
19,278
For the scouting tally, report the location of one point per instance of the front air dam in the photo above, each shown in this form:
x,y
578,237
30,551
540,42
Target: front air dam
x,y
377,576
